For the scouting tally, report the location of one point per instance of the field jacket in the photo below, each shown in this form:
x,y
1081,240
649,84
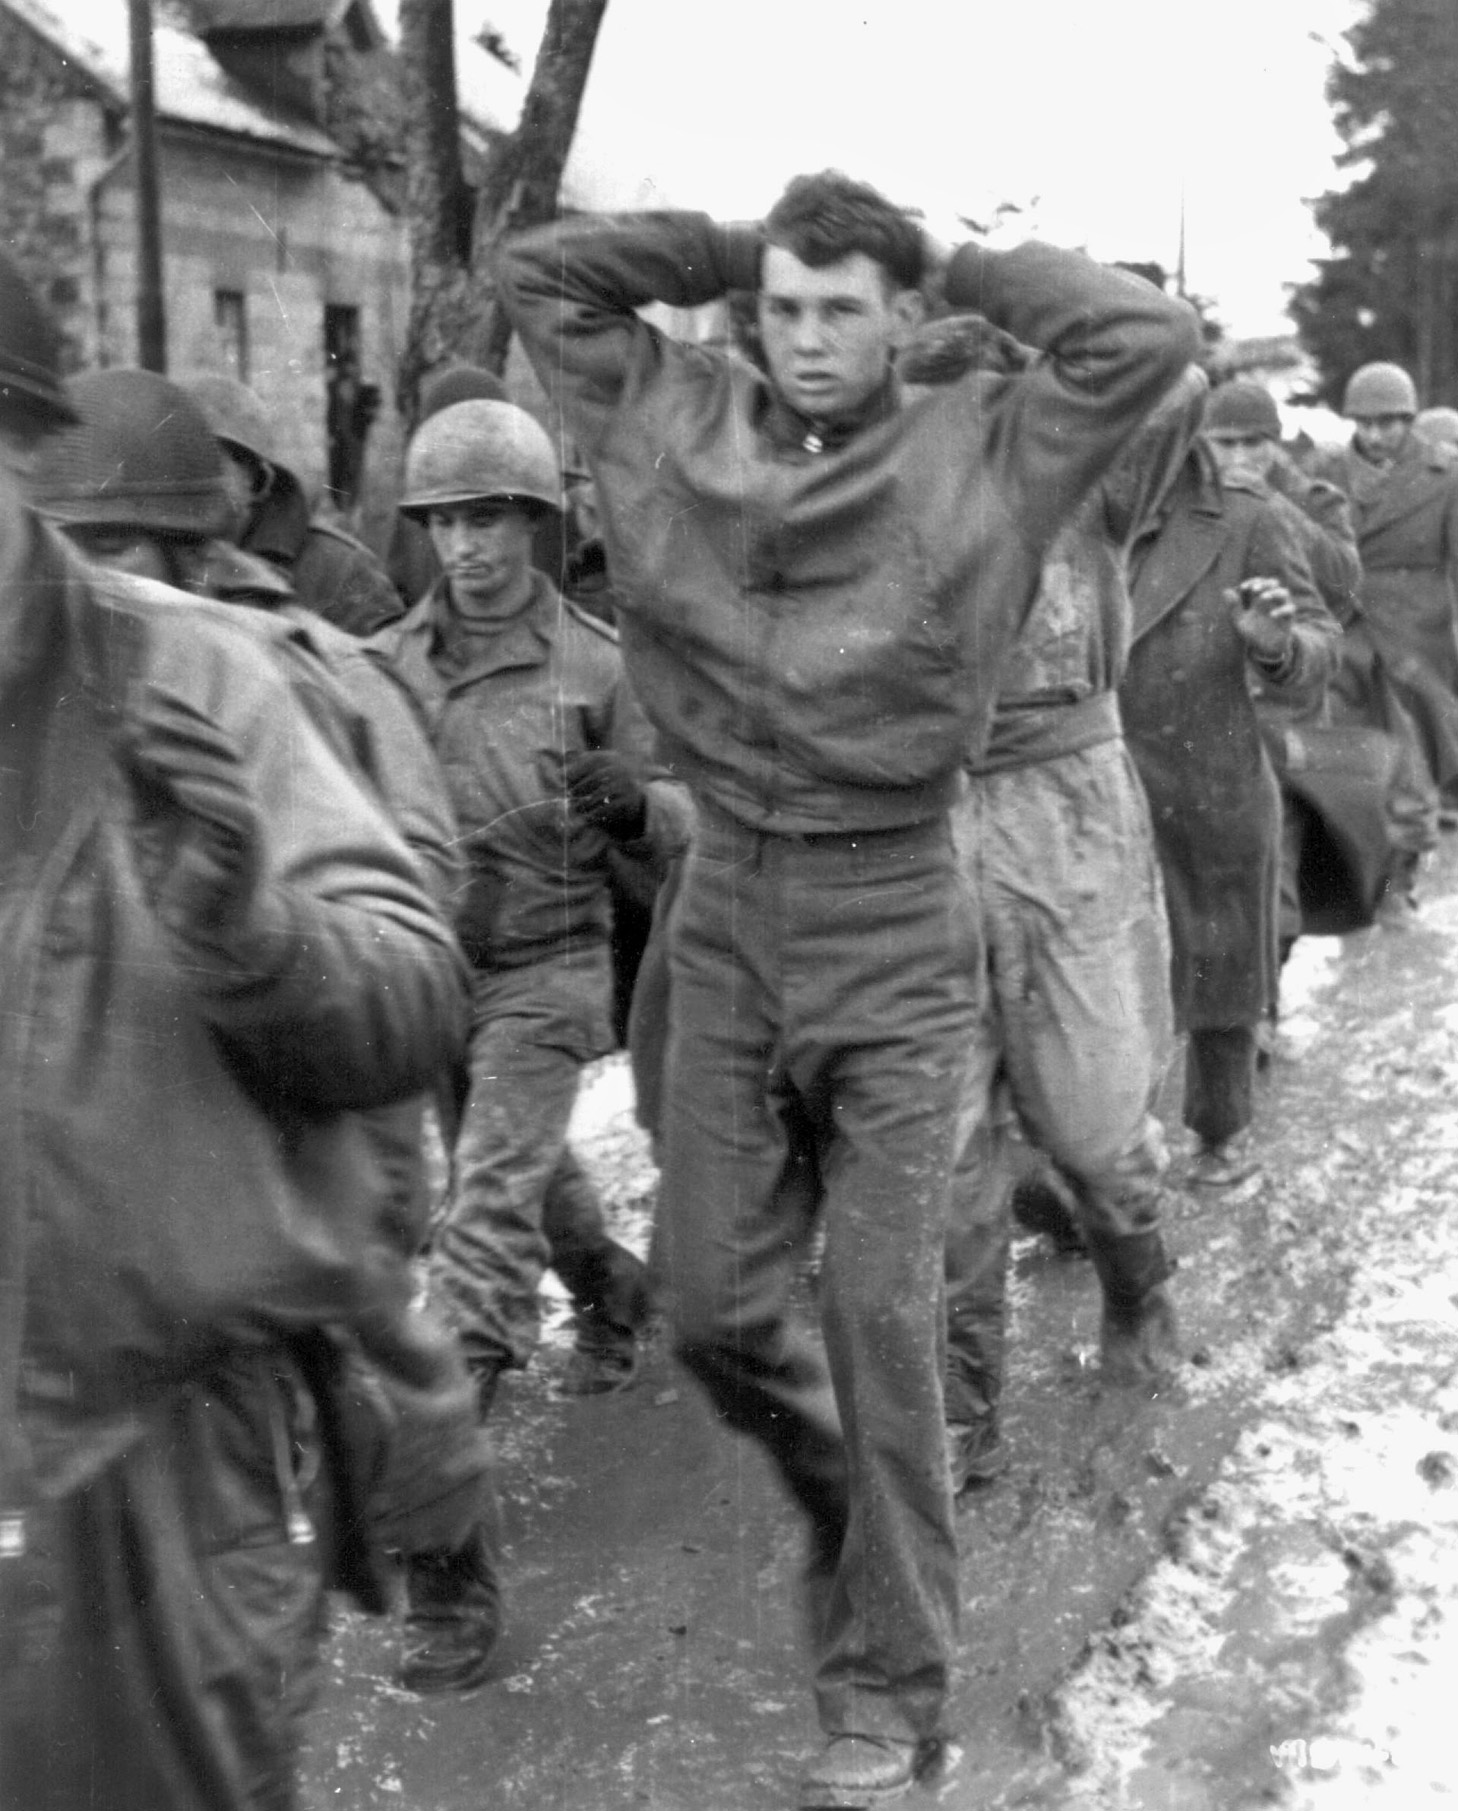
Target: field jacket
x,y
181,1166
534,876
816,623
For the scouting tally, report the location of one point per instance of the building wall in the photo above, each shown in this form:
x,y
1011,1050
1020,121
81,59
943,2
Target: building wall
x,y
291,234
52,144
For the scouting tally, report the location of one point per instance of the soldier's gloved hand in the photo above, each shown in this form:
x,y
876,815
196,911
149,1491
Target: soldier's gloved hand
x,y
602,789
197,830
1263,614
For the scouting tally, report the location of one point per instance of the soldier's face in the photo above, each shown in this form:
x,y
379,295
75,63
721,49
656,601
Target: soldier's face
x,y
1243,458
485,550
829,334
1381,438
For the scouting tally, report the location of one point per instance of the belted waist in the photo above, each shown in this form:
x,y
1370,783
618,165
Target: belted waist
x,y
1023,735
721,837
718,827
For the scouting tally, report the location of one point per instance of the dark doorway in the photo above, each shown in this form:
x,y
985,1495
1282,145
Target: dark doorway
x,y
350,404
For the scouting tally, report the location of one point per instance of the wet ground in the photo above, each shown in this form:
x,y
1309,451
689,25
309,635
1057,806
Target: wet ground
x,y
1245,1599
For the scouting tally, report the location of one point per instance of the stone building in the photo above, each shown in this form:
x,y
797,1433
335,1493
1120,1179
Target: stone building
x,y
284,254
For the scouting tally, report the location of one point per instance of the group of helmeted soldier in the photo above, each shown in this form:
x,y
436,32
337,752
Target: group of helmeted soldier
x,y
904,733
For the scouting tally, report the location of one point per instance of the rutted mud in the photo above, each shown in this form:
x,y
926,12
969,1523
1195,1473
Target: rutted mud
x,y
1235,1601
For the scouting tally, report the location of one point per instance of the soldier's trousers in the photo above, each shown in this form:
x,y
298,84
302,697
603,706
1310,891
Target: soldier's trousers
x,y
1073,1020
824,982
519,1202
1220,1070
161,1635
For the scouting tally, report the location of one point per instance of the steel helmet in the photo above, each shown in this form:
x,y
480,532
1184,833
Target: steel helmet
x,y
1242,407
1439,427
31,391
140,456
234,414
458,382
1380,389
476,450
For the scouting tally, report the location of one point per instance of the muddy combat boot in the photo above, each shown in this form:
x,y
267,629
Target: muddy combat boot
x,y
604,1359
857,1772
613,1299
1042,1203
1138,1340
486,1369
975,1452
455,1614
971,1392
1224,1165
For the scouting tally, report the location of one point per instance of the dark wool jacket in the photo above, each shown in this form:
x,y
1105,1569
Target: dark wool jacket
x,y
1406,520
816,626
1190,722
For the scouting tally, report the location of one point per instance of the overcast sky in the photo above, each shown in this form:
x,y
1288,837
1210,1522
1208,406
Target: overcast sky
x,y
1093,115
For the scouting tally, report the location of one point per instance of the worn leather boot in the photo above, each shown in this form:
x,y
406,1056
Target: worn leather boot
x,y
455,1614
604,1359
486,1370
1042,1203
613,1298
857,1772
1138,1339
975,1452
1139,1343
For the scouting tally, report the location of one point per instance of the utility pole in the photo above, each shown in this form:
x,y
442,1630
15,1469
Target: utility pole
x,y
1180,261
151,315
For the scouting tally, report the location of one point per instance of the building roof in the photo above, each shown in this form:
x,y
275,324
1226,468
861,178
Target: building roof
x,y
264,15
191,86
246,16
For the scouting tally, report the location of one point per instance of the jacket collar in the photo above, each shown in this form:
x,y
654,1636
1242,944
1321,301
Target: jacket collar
x,y
1167,567
526,641
787,428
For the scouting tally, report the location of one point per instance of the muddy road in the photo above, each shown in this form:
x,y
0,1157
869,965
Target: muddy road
x,y
1248,1598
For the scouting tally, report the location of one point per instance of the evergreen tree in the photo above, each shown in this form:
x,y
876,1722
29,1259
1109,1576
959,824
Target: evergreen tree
x,y
1391,288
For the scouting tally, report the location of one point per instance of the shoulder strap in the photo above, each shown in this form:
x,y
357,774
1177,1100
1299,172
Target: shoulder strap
x,y
589,621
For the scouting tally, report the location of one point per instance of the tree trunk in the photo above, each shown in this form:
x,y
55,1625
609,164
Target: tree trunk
x,y
440,299
522,185
453,308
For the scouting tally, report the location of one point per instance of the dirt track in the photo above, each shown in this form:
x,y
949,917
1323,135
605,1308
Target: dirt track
x,y
1243,1600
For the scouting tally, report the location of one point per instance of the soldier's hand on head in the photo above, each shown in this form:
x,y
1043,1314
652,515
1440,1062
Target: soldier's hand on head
x,y
197,829
603,789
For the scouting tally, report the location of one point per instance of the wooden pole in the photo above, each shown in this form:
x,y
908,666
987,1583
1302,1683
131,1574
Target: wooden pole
x,y
151,313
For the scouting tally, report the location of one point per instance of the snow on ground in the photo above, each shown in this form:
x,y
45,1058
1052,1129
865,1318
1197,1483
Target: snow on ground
x,y
1316,1585
614,1150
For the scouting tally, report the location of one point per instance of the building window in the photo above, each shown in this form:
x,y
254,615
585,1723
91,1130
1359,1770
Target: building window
x,y
230,313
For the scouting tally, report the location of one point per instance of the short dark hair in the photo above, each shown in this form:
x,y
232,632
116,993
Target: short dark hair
x,y
826,217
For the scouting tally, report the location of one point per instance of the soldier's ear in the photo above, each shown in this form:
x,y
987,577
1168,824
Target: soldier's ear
x,y
908,311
